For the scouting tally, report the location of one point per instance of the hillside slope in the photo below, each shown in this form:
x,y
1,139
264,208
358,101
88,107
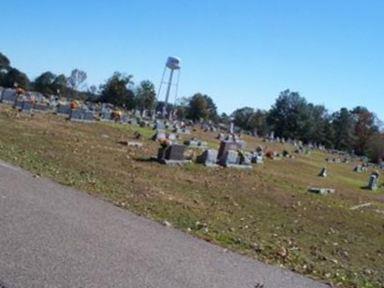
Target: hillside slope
x,y
265,213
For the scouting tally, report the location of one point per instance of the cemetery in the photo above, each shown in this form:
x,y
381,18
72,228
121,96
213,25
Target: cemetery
x,y
250,156
257,196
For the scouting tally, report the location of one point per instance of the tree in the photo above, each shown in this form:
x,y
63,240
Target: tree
x,y
59,85
180,108
241,117
92,89
146,96
329,133
201,107
44,83
250,119
115,91
257,122
289,115
344,126
315,128
365,128
92,94
17,77
76,79
224,118
4,62
375,148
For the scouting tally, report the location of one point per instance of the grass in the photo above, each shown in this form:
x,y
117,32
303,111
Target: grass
x,y
264,213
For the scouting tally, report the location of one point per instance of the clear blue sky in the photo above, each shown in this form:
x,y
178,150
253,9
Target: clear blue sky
x,y
241,53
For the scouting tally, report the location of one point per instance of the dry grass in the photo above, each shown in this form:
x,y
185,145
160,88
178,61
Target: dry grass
x,y
265,213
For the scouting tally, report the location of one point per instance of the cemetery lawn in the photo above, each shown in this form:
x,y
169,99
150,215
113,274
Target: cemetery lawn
x,y
265,213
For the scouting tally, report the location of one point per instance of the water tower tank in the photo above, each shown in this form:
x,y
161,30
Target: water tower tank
x,y
173,63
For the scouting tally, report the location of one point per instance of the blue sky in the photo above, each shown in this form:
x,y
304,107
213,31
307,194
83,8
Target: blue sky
x,y
241,53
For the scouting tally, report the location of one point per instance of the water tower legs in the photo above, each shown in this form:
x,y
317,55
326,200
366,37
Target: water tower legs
x,y
167,93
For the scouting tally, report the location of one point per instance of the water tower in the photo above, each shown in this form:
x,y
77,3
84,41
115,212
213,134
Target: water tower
x,y
172,65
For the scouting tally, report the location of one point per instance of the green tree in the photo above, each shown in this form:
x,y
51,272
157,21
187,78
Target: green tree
x,y
5,64
250,119
344,127
115,91
257,122
241,117
44,83
289,115
59,85
201,107
315,124
15,76
224,118
146,96
329,133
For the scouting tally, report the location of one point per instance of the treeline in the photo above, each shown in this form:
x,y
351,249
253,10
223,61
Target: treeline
x,y
356,130
47,83
119,90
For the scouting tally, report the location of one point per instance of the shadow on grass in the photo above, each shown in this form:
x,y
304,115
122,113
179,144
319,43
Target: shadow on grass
x,y
379,189
146,159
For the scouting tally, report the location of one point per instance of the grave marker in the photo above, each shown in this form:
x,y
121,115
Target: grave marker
x,y
229,157
323,173
208,158
257,159
373,183
321,191
9,96
172,154
227,145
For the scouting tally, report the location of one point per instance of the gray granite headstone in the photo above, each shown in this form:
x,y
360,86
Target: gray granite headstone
x,y
321,191
208,158
257,159
106,115
160,125
159,135
82,115
359,169
227,145
63,109
220,136
172,136
9,96
230,157
124,119
41,107
373,183
27,106
133,121
88,116
245,158
195,143
19,104
171,152
323,172
77,114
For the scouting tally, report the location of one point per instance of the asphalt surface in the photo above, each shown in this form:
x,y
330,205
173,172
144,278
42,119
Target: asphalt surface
x,y
54,236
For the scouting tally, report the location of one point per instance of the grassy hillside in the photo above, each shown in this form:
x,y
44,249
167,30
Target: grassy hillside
x,y
265,213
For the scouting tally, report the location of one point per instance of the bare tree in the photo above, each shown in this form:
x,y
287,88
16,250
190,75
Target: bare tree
x,y
76,80
93,89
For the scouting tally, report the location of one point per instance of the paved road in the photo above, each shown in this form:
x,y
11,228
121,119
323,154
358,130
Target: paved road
x,y
54,236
